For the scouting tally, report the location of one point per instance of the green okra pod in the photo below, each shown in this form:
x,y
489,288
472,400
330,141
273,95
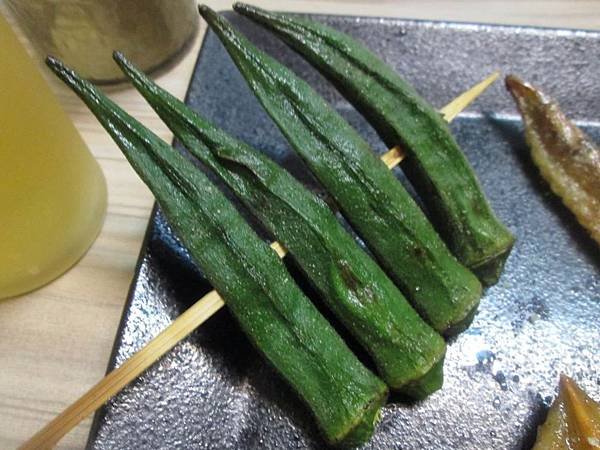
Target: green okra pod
x,y
435,165
444,292
280,321
408,353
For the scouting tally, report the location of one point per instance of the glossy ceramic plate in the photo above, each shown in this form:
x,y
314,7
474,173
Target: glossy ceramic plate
x,y
214,391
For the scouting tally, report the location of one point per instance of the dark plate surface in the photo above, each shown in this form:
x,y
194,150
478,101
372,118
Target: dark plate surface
x,y
214,391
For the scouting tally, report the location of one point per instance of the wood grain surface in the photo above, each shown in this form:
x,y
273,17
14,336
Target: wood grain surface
x,y
55,342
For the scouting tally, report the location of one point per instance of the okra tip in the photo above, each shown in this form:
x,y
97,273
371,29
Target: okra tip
x,y
519,89
125,65
244,8
257,14
59,68
512,81
120,58
214,20
69,76
527,98
207,13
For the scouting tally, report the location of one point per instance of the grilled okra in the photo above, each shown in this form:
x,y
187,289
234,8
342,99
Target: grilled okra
x,y
435,164
566,156
444,292
408,353
280,321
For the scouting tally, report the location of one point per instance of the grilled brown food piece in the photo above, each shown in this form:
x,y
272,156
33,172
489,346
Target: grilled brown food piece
x,y
573,421
565,155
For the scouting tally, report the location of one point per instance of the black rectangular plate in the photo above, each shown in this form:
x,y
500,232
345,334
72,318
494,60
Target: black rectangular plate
x,y
214,391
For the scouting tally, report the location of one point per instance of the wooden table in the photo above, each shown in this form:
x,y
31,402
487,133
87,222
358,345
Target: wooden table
x,y
55,342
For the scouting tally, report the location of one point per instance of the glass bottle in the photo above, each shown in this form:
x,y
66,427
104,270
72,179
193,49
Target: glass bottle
x,y
52,191
84,33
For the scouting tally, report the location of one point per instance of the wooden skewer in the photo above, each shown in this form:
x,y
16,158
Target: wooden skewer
x,y
187,322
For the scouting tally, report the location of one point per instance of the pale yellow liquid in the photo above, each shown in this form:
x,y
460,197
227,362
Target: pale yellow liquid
x,y
52,191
